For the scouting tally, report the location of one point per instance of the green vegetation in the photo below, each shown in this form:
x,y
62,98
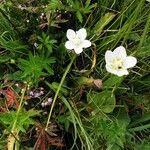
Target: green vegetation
x,y
52,98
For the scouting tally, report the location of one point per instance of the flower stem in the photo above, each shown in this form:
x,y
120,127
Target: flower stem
x,y
58,89
21,100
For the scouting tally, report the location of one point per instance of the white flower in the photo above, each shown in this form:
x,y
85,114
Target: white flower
x,y
117,62
77,40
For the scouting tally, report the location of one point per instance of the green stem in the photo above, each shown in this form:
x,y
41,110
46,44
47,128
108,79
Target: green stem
x,y
22,96
57,92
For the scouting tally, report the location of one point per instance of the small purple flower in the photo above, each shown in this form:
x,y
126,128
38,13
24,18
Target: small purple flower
x,y
50,100
37,95
31,93
41,92
43,104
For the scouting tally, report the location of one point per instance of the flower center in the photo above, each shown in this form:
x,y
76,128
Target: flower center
x,y
77,41
117,64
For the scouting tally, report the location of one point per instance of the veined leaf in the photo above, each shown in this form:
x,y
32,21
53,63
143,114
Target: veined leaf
x,y
103,101
112,81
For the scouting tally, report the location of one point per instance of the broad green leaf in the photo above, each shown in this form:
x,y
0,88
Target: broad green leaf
x,y
103,101
112,81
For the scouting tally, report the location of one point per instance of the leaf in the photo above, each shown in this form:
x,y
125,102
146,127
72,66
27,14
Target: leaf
x,y
112,81
87,3
104,101
103,22
64,119
23,120
79,16
44,139
4,59
5,25
13,45
53,5
54,87
35,66
11,98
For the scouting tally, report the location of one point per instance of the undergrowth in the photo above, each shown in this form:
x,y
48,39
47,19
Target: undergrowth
x,y
52,98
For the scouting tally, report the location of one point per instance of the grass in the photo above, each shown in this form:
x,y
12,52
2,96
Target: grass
x,y
91,108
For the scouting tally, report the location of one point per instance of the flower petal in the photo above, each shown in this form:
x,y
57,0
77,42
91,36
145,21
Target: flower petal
x,y
109,69
116,72
82,34
122,72
86,44
120,52
70,34
69,45
109,56
130,62
78,50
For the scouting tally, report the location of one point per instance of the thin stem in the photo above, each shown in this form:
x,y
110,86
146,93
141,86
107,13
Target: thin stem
x,y
22,96
57,92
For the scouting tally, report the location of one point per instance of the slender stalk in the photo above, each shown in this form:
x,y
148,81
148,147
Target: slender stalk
x,y
22,96
14,132
57,92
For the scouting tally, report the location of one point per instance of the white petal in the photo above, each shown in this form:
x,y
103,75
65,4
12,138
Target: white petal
x,y
109,56
82,34
122,72
109,69
86,44
70,34
116,72
78,50
120,52
69,45
130,62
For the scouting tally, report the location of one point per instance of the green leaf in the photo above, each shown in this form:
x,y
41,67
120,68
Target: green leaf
x,y
103,22
53,5
87,3
23,121
12,45
4,59
104,101
35,66
5,25
112,81
79,16
54,87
